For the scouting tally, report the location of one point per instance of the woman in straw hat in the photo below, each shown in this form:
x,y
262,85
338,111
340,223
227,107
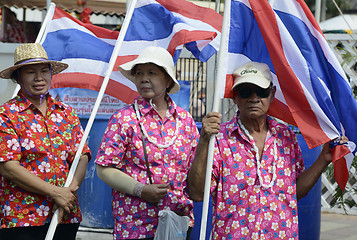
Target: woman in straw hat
x,y
169,134
39,137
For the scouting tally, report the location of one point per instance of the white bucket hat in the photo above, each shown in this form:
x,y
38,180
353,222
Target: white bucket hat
x,y
156,55
254,73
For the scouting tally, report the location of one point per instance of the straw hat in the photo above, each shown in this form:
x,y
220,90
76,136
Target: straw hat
x,y
29,54
156,55
254,73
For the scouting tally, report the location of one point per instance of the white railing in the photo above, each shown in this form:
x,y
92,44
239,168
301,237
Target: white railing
x,y
340,45
328,190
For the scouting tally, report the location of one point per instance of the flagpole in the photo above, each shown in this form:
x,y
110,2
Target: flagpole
x,y
48,4
318,11
47,19
220,76
119,42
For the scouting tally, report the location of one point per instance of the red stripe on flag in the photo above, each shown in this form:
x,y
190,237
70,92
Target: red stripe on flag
x,y
97,31
102,32
123,59
309,15
289,83
340,165
193,11
59,13
94,82
277,108
229,84
185,36
339,152
340,172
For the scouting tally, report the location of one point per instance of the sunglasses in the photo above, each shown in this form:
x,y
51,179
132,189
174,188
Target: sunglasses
x,y
247,91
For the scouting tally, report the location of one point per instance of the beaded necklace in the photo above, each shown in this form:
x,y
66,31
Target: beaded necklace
x,y
257,157
151,139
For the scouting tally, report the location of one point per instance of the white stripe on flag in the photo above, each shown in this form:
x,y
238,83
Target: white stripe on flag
x,y
88,66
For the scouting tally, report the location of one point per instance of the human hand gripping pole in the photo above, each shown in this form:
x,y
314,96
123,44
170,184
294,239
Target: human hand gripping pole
x,y
54,221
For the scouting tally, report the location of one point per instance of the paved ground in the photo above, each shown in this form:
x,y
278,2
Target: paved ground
x,y
333,227
338,227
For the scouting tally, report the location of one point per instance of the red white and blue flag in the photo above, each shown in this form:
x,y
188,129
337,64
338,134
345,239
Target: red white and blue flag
x,y
313,92
87,48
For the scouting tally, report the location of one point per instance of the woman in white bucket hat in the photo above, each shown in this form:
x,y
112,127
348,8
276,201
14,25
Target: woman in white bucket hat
x,y
169,135
39,137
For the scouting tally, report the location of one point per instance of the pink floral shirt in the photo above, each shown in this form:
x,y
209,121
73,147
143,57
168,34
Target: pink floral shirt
x,y
243,209
45,146
122,148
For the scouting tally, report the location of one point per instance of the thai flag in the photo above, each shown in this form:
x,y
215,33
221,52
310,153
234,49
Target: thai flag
x,y
87,48
313,92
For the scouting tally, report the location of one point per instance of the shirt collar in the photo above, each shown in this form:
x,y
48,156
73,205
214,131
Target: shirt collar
x,y
232,126
145,107
25,103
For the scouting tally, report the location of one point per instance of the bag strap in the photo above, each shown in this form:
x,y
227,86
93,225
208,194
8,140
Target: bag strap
x,y
145,153
146,156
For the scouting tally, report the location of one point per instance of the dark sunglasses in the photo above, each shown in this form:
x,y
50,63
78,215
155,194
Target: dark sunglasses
x,y
247,91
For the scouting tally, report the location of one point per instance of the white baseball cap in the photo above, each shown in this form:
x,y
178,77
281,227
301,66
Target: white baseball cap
x,y
156,55
254,73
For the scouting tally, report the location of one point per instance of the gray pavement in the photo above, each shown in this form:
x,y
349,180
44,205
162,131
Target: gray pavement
x,y
333,227
338,227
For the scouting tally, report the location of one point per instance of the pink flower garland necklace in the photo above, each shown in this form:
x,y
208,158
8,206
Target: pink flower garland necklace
x,y
151,139
257,157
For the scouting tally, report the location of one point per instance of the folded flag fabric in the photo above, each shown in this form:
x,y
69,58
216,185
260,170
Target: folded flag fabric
x,y
313,92
171,24
88,48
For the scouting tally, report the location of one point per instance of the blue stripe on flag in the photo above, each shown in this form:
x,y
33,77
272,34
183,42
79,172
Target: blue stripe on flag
x,y
203,54
245,35
324,100
72,43
320,69
307,43
151,22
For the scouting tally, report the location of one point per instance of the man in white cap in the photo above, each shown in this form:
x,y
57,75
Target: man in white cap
x,y
258,171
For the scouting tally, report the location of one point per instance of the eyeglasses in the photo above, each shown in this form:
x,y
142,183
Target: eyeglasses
x,y
247,91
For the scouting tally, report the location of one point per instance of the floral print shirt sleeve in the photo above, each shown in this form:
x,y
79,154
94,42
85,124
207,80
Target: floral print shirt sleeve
x,y
45,146
122,148
243,208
